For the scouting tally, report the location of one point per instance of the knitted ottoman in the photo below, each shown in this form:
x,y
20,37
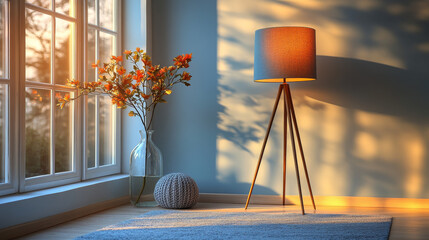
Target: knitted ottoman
x,y
176,190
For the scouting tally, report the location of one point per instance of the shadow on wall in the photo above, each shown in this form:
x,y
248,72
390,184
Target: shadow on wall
x,y
379,115
372,87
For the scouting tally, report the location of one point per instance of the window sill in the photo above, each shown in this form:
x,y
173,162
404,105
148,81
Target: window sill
x,y
22,208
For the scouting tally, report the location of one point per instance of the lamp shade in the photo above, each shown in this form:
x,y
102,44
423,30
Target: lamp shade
x,y
285,54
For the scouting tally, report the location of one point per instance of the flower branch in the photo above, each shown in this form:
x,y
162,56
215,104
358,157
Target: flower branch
x,y
141,89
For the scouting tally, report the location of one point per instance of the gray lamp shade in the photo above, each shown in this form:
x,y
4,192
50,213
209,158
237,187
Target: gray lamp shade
x,y
285,54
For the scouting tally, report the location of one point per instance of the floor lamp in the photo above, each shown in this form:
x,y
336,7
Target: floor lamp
x,y
282,55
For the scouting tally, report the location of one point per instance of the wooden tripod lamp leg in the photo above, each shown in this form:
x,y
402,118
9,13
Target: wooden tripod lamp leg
x,y
292,110
294,149
285,110
264,144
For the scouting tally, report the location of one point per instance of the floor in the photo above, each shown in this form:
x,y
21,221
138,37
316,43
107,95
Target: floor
x,y
407,223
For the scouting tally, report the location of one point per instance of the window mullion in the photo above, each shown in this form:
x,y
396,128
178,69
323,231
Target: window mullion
x,y
97,129
52,133
83,10
97,98
7,33
20,84
8,165
102,29
50,12
97,11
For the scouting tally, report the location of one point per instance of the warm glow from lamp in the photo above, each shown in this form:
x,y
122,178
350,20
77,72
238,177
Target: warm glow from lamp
x,y
285,54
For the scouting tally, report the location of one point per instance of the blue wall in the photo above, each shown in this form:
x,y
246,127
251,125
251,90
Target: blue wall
x,y
134,28
364,121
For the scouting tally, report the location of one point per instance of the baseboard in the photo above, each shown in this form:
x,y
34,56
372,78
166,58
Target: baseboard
x,y
338,201
26,228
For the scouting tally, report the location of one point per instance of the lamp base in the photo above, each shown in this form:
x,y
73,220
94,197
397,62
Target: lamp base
x,y
289,118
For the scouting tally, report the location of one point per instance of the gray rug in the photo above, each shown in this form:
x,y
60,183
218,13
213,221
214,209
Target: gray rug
x,y
193,224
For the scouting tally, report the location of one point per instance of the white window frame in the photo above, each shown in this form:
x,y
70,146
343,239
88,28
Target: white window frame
x,y
115,167
52,179
16,110
10,146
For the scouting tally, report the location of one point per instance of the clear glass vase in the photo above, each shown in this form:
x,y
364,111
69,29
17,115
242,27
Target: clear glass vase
x,y
145,170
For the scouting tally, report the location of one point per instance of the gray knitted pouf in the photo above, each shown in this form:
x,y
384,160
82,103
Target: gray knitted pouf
x,y
176,190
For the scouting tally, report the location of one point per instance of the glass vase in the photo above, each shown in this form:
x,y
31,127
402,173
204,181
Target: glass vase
x,y
145,170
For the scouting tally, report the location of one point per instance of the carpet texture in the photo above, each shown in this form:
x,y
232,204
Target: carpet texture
x,y
168,224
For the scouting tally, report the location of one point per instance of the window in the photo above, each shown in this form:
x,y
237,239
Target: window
x,y
50,58
4,94
102,42
56,146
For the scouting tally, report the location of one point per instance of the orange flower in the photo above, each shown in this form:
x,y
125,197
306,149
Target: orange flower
x,y
95,65
121,70
132,114
146,97
73,83
182,61
186,76
161,72
146,60
126,82
101,71
117,58
127,52
119,101
63,101
187,57
156,87
108,86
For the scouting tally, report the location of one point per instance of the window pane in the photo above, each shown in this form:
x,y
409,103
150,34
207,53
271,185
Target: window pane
x,y
63,134
3,37
64,51
41,3
106,47
91,54
92,18
105,125
66,7
37,46
90,131
3,102
107,14
37,129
